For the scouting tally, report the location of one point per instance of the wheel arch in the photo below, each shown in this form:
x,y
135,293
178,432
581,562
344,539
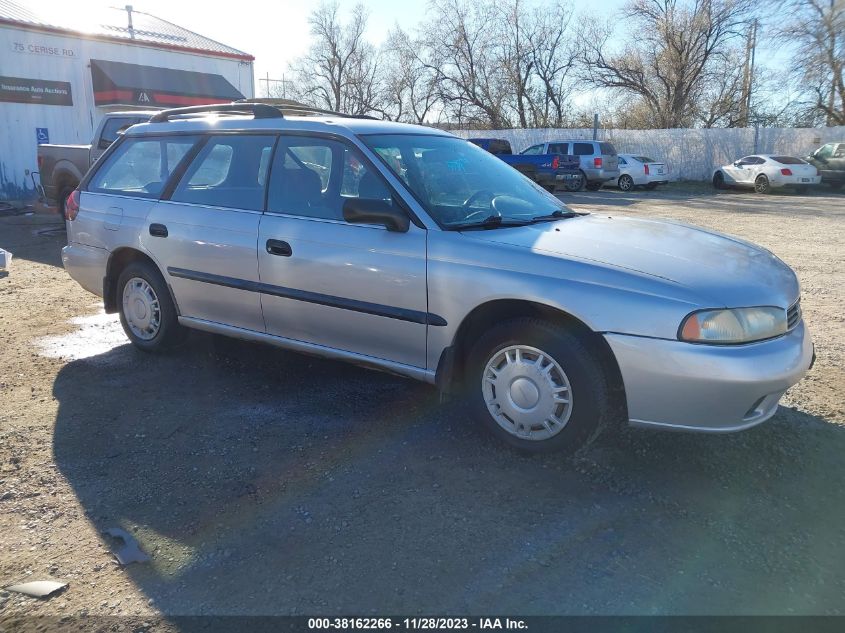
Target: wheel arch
x,y
452,364
119,259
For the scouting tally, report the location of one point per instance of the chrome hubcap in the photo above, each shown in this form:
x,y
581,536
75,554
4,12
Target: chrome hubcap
x,y
527,392
141,308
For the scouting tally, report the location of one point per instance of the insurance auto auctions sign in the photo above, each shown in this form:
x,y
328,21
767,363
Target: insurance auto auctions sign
x,y
21,90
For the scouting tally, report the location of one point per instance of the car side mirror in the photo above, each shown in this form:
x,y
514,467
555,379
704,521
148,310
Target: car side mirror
x,y
737,163
368,211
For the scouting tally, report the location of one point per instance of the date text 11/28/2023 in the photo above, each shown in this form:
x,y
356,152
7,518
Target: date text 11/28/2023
x,y
420,623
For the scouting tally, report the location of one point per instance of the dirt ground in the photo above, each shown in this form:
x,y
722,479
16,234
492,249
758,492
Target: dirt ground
x,y
263,482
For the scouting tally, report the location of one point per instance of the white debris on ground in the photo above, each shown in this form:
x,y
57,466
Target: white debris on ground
x,y
5,259
96,334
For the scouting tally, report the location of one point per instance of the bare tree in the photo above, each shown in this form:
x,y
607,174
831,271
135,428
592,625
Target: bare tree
x,y
340,70
460,46
816,32
674,47
410,84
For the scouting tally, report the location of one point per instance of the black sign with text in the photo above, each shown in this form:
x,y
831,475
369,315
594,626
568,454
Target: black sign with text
x,y
20,90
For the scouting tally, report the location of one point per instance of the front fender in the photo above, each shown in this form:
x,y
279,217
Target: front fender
x,y
462,276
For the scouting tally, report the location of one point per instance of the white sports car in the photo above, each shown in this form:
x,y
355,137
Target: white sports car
x,y
764,172
637,170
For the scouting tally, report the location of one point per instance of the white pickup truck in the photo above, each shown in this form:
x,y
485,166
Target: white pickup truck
x,y
61,167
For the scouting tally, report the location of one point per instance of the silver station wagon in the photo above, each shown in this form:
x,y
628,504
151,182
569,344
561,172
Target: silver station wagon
x,y
406,249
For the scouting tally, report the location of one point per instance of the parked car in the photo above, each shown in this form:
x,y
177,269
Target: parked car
x,y
420,254
764,172
829,159
547,170
599,162
61,167
637,170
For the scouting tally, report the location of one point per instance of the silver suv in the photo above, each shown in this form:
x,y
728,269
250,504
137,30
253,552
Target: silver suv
x,y
599,161
406,249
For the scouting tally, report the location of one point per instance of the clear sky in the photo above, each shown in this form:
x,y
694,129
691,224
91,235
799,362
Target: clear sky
x,y
274,32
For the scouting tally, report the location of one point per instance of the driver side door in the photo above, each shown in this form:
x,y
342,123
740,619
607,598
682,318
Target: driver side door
x,y
353,287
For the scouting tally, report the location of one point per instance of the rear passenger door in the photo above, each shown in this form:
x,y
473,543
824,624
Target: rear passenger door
x,y
353,287
203,232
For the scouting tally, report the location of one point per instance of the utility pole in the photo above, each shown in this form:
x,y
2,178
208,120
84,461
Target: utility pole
x,y
748,74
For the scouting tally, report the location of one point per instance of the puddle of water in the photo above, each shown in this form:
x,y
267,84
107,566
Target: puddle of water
x,y
96,334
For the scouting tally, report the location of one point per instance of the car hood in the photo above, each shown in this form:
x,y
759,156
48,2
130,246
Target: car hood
x,y
723,270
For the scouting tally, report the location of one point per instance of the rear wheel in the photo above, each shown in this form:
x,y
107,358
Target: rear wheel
x,y
718,180
574,184
147,313
761,184
537,386
625,182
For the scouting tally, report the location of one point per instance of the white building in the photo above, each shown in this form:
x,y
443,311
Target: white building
x,y
56,82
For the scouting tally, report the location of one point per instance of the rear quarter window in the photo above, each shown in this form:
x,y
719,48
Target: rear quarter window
x,y
582,149
141,166
607,149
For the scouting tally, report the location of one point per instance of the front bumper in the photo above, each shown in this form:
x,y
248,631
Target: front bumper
x,y
708,388
86,265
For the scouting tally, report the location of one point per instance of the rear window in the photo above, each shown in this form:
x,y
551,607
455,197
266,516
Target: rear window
x,y
787,160
583,149
141,166
230,171
644,159
607,149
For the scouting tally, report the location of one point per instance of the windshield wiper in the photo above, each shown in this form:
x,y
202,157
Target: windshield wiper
x,y
490,222
557,215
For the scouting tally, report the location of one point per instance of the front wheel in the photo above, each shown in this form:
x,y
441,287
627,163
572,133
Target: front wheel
x,y
626,183
538,386
147,313
761,185
574,184
718,180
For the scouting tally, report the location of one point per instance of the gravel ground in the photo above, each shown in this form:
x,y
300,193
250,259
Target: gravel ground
x,y
263,482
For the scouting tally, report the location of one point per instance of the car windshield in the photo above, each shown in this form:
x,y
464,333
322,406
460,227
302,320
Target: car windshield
x,y
461,185
788,160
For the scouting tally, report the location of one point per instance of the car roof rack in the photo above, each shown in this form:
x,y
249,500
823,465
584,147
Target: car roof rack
x,y
295,108
258,110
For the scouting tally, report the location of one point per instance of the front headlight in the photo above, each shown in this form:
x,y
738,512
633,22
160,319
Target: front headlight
x,y
738,325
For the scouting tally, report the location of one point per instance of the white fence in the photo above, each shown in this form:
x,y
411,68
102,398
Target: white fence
x,y
691,154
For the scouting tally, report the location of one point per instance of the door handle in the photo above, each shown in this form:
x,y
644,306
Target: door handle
x,y
280,248
158,230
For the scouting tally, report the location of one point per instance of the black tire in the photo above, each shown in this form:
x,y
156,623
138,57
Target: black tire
x,y
591,399
625,182
574,184
169,333
583,183
594,186
64,192
718,180
761,184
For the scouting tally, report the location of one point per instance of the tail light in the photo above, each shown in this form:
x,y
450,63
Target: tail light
x,y
556,162
597,162
786,172
646,169
72,205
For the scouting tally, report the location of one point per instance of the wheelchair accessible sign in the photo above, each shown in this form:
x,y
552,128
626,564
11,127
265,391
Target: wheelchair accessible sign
x,y
42,135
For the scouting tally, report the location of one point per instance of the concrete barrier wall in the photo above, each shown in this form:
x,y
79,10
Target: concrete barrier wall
x,y
691,154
